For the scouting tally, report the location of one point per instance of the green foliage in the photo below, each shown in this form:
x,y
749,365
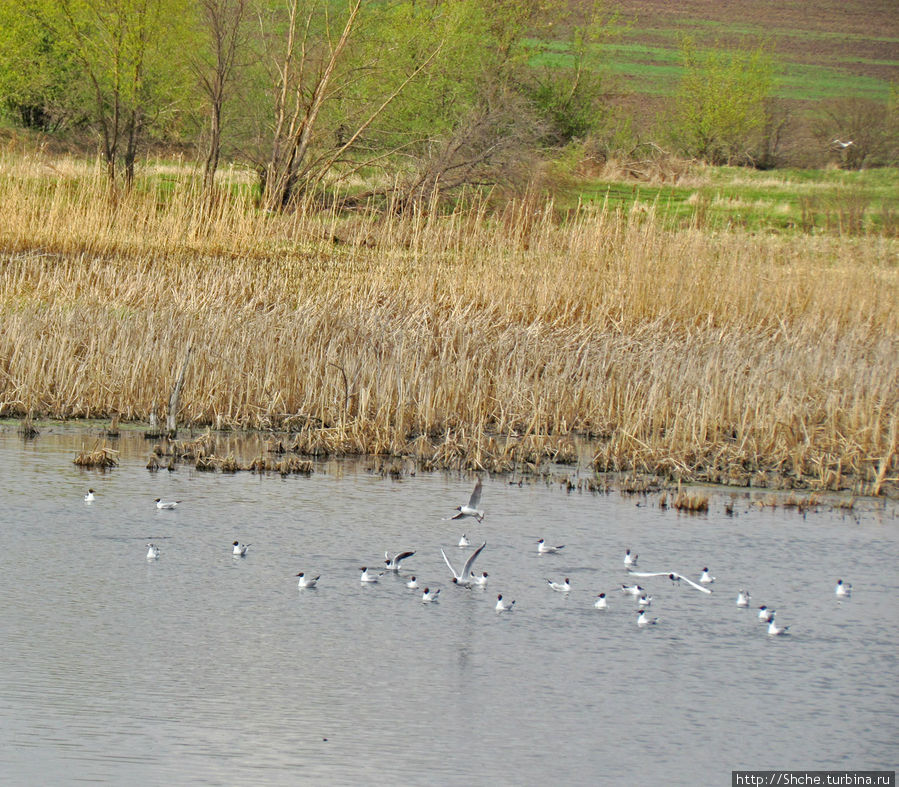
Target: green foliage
x,y
720,109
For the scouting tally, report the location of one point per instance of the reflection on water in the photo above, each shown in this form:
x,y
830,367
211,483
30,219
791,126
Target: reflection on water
x,y
203,667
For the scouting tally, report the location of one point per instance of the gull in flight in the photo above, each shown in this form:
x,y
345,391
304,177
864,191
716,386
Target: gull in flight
x,y
843,589
428,595
463,577
240,549
307,582
471,507
629,559
89,497
672,575
562,587
393,563
503,606
642,620
840,144
544,549
168,505
152,551
743,598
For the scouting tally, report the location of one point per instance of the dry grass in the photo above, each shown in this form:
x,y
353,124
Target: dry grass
x,y
469,340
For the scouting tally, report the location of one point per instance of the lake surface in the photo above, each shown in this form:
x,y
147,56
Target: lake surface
x,y
203,668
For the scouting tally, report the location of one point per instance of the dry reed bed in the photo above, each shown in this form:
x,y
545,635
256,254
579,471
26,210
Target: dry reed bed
x,y
722,357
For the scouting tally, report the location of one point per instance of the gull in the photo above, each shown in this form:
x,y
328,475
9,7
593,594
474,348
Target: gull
x,y
544,549
368,576
743,598
168,505
429,595
629,559
471,507
463,577
706,578
393,563
480,581
412,584
642,620
672,575
307,582
464,542
152,552
562,587
240,549
503,606
632,590
601,602
843,590
645,601
89,497
840,144
774,630
765,614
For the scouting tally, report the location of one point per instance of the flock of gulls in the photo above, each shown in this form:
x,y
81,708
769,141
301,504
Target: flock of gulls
x,y
465,577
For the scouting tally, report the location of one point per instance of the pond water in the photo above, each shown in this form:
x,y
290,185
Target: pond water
x,y
200,667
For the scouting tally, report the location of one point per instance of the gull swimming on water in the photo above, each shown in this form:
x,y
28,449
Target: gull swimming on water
x,y
307,582
428,595
642,620
773,629
743,598
471,507
645,601
629,559
672,575
240,549
503,606
368,576
393,563
480,581
632,590
765,614
168,505
601,602
706,578
463,577
562,587
412,583
544,549
843,589
89,497
152,552
464,542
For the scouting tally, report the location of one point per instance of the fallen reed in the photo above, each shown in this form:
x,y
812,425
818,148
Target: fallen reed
x,y
484,338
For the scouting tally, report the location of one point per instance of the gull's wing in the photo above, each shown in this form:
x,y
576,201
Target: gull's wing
x,y
457,516
470,562
402,556
669,574
446,559
475,495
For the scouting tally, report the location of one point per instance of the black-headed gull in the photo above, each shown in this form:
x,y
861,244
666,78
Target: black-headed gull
x,y
152,551
471,507
706,578
843,589
629,559
672,575
393,563
167,505
544,549
562,587
644,601
464,542
89,497
503,606
307,582
240,549
601,602
632,590
765,614
775,630
412,584
743,598
428,595
642,620
368,576
463,578
480,581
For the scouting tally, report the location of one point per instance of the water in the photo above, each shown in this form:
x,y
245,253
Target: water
x,y
204,668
